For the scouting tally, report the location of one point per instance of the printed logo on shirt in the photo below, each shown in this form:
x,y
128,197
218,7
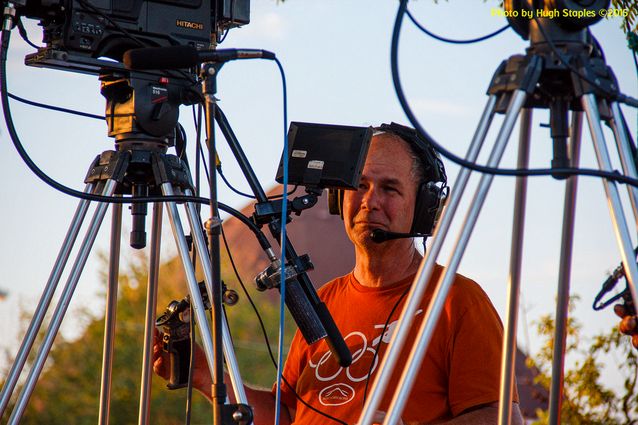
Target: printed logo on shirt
x,y
336,395
364,363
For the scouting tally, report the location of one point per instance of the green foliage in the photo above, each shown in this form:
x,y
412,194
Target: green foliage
x,y
586,400
629,22
68,389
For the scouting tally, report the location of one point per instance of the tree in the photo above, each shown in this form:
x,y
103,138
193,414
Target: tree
x,y
630,21
68,389
586,400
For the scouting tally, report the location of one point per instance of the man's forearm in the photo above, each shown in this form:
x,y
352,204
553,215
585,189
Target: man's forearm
x,y
260,400
486,416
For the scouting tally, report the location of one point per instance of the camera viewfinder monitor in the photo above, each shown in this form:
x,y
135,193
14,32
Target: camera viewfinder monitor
x,y
325,155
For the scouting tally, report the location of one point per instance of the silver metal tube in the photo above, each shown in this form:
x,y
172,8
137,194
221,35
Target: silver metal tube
x,y
227,344
508,360
197,304
564,274
440,294
62,306
110,316
626,157
425,271
45,301
149,321
613,198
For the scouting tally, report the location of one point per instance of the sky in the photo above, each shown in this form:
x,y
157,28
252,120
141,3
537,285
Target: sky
x,y
336,58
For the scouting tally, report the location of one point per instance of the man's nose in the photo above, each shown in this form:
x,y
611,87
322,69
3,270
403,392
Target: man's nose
x,y
371,198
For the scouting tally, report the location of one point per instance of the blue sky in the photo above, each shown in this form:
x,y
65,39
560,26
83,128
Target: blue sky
x,y
336,58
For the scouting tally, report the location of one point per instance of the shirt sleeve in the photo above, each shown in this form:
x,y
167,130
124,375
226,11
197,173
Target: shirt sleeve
x,y
475,350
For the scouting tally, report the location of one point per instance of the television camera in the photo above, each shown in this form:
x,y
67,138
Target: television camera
x,y
88,35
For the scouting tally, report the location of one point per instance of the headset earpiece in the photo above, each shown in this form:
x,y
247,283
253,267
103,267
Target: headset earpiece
x,y
335,202
427,209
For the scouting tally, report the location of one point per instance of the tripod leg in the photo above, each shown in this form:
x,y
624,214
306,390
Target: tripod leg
x,y
508,361
440,294
613,198
417,290
624,151
197,304
63,304
110,315
45,301
202,252
562,299
149,323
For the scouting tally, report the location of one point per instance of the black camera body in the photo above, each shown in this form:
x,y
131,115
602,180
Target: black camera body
x,y
108,28
176,341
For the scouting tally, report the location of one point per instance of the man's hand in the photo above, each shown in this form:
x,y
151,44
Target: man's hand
x,y
161,365
628,324
161,362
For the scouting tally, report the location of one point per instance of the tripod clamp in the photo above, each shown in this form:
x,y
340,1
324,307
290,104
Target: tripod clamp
x,y
239,413
265,212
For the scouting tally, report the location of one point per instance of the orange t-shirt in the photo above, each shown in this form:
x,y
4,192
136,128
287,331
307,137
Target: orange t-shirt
x,y
461,368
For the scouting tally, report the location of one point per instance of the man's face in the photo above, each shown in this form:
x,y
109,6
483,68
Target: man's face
x,y
387,191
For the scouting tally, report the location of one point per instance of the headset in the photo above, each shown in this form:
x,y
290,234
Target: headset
x,y
431,192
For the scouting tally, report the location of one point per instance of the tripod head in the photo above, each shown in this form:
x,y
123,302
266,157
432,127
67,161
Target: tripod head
x,y
570,61
142,109
562,21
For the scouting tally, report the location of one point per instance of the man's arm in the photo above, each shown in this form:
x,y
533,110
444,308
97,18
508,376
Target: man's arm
x,y
487,415
261,400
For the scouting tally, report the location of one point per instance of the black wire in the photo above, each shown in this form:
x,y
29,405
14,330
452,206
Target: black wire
x,y
55,108
451,41
197,121
230,186
238,215
614,175
281,195
97,11
248,195
140,42
23,33
223,37
376,352
265,334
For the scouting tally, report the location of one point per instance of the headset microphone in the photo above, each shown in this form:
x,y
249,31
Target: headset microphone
x,y
380,235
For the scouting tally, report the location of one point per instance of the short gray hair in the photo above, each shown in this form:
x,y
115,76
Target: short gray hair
x,y
418,167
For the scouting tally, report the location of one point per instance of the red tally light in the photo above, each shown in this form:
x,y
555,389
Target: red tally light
x,y
163,80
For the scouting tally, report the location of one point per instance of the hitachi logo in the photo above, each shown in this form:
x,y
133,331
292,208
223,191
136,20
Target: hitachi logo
x,y
188,24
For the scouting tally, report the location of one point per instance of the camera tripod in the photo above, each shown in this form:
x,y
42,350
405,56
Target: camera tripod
x,y
142,108
139,164
537,80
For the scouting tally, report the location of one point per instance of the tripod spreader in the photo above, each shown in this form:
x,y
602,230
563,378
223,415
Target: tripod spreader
x,y
128,166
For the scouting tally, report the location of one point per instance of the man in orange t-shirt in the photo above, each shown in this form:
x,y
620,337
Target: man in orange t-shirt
x,y
460,370
459,379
